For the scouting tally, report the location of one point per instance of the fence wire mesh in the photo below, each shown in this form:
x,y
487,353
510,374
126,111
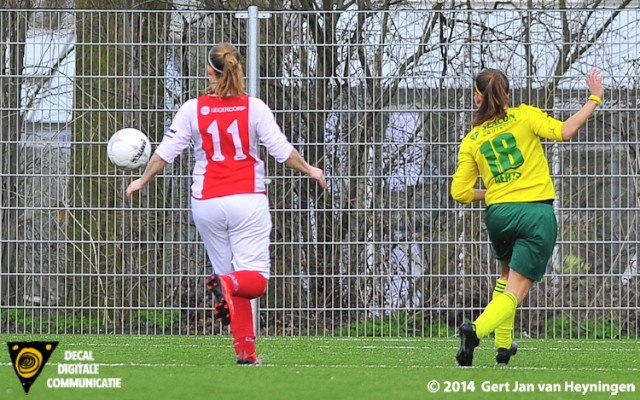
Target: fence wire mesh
x,y
379,99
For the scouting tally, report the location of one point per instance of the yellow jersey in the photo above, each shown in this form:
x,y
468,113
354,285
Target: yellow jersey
x,y
508,155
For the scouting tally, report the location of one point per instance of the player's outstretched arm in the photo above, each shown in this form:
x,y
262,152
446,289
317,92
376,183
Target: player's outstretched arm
x,y
154,167
296,162
576,121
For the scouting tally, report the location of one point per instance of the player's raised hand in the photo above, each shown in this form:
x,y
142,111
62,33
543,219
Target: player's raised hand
x,y
594,82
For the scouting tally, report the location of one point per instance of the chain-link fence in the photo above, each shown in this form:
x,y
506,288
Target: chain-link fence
x,y
380,100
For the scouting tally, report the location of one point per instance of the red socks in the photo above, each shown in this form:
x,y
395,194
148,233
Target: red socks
x,y
244,286
242,326
247,284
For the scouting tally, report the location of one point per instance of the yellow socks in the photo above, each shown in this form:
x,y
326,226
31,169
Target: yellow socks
x,y
499,289
500,309
504,332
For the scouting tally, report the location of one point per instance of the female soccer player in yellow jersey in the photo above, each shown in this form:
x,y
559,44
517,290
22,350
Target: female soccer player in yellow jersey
x,y
504,149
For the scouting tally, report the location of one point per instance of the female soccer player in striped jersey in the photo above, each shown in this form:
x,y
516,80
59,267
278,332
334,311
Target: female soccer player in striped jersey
x,y
228,200
504,148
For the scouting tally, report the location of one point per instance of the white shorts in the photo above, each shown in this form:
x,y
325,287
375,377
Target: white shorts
x,y
236,232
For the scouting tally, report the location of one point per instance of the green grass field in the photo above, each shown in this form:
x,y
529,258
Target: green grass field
x,y
191,368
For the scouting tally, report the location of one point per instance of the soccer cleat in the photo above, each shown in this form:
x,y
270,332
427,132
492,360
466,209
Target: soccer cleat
x,y
468,342
222,306
504,355
245,358
222,313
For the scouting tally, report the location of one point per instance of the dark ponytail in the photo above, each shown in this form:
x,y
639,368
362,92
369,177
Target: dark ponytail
x,y
493,86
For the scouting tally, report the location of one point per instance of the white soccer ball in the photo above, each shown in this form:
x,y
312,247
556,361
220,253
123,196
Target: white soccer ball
x,y
129,149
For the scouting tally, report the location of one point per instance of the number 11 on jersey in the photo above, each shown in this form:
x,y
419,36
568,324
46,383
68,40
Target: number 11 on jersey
x,y
234,132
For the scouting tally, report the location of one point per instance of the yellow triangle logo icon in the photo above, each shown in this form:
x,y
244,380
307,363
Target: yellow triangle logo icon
x,y
28,360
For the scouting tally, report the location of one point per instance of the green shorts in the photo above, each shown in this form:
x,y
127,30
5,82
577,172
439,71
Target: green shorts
x,y
524,235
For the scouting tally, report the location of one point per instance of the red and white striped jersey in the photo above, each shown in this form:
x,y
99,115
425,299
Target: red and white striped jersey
x,y
225,132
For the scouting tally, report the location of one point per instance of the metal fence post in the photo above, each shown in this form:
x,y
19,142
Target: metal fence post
x,y
253,89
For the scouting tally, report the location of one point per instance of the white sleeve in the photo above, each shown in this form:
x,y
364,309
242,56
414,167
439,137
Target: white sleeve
x,y
178,137
268,131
